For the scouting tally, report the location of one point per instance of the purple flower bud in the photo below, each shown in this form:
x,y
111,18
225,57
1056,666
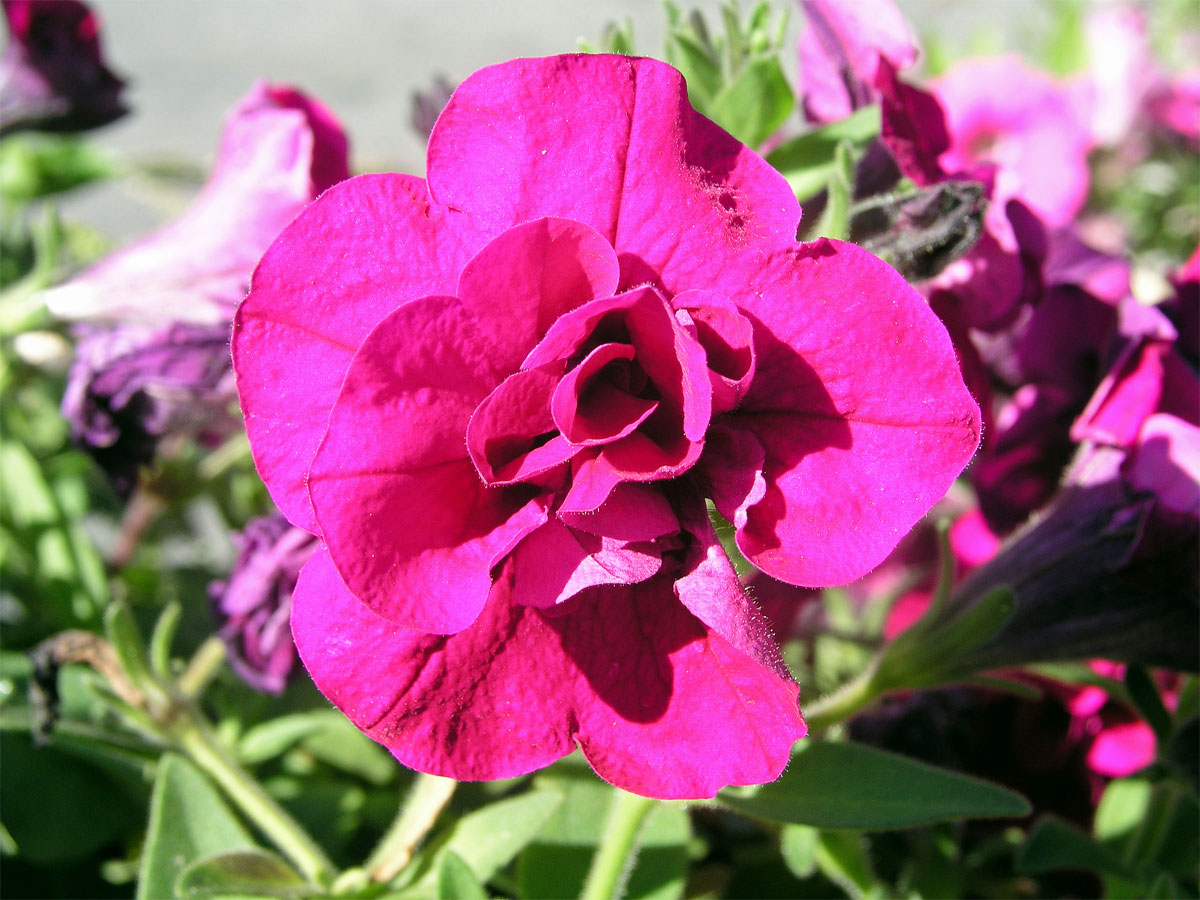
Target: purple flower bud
x,y
255,603
52,73
131,385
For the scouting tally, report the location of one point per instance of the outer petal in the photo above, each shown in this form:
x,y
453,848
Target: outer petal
x,y
671,709
412,529
860,408
659,706
490,702
364,248
611,142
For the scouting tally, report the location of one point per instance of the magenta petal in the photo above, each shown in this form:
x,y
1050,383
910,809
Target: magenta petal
x,y
860,408
712,592
611,142
728,341
671,709
631,512
589,409
530,275
554,563
507,433
490,702
315,295
659,706
731,471
412,530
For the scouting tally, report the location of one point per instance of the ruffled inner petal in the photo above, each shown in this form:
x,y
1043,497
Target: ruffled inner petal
x,y
511,435
555,562
598,401
525,279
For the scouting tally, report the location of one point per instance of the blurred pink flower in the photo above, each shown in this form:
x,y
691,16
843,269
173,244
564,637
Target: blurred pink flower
x,y
1002,112
52,73
840,50
501,396
153,357
278,151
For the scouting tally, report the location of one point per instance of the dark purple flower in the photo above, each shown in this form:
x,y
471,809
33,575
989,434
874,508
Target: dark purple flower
x,y
52,73
131,385
255,604
1109,569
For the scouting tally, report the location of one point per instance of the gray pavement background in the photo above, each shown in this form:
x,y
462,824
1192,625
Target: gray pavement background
x,y
188,61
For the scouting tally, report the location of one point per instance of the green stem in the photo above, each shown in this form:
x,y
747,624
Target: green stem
x,y
202,667
193,735
426,799
842,703
618,848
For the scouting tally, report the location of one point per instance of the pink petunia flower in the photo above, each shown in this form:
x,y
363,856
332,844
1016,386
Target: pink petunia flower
x,y
279,149
501,395
840,51
1002,112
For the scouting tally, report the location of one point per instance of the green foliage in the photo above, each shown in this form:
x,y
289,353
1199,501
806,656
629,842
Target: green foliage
x,y
831,785
189,822
36,166
556,863
735,78
241,873
809,161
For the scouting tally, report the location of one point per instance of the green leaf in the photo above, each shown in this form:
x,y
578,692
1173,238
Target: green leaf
x,y
835,220
254,873
188,822
456,880
1054,844
556,863
34,166
1145,695
1121,809
853,786
489,838
756,103
699,66
808,161
842,858
798,846
275,736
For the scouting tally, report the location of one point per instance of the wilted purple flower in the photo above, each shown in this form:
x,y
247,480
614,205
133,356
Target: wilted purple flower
x,y
279,150
255,604
132,384
52,73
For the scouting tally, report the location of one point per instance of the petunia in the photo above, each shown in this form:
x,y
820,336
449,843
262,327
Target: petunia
x,y
1002,112
52,73
279,149
840,51
502,395
254,604
130,386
